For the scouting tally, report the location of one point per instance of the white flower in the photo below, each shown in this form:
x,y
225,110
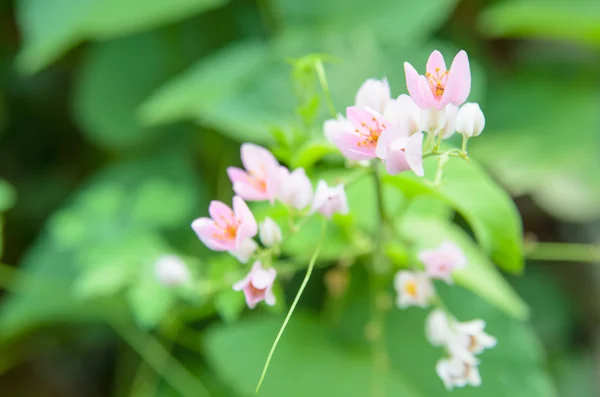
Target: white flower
x,y
373,94
247,248
437,328
404,112
295,188
433,120
450,125
414,289
334,128
170,271
456,373
472,337
269,232
470,120
329,200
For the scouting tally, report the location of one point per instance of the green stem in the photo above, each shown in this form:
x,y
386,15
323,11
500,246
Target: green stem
x,y
463,148
311,266
325,86
153,352
443,159
570,252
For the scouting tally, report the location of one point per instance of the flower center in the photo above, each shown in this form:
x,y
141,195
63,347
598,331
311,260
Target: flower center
x,y
411,289
472,343
370,132
258,182
255,292
437,82
228,230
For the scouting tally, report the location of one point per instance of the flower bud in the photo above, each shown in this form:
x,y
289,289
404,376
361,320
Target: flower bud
x,y
433,120
450,125
470,120
270,233
170,271
295,188
329,200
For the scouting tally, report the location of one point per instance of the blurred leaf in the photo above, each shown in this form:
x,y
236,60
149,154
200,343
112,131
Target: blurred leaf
x,y
149,300
51,28
419,18
110,233
489,211
558,19
230,304
115,78
8,195
541,139
480,276
311,152
104,280
305,357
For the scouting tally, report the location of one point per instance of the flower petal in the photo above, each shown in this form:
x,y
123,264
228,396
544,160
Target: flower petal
x,y
414,153
352,147
435,63
412,84
257,159
221,213
396,157
373,94
206,231
458,84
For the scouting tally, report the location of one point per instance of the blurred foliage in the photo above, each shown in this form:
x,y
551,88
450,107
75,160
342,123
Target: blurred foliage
x,y
152,99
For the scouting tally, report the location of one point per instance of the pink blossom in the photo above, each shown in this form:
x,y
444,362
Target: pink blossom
x,y
442,261
403,111
439,86
329,200
401,152
257,285
373,94
359,143
228,229
259,179
335,128
295,188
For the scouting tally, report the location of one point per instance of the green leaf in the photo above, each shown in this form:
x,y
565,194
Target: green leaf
x,y
311,152
149,300
480,275
546,151
558,19
102,106
489,210
104,280
305,356
8,196
51,28
230,304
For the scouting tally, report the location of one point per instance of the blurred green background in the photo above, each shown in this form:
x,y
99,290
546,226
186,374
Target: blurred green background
x,y
118,118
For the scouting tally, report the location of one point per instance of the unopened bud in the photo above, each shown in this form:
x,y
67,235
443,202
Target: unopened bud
x,y
270,233
170,271
470,120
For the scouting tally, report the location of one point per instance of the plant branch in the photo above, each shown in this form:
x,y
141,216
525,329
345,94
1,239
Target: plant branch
x,y
570,252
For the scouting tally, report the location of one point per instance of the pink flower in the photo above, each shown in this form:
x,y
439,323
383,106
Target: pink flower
x,y
257,285
295,188
227,230
259,181
401,152
329,200
442,261
404,111
359,143
334,128
439,86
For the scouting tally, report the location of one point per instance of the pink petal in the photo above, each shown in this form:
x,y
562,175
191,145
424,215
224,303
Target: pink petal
x,y
387,137
452,251
247,223
412,84
206,231
414,153
458,84
358,117
221,213
396,157
263,278
237,175
427,98
350,146
436,61
321,196
257,159
249,192
334,128
243,283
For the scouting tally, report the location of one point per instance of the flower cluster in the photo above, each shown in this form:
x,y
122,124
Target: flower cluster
x,y
462,341
233,229
378,126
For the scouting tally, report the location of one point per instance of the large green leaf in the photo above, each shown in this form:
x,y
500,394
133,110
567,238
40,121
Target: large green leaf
x,y
425,231
52,27
558,19
489,210
100,227
541,139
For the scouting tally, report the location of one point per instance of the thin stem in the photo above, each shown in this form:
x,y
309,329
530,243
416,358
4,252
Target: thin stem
x,y
443,159
154,353
325,86
570,252
311,265
463,147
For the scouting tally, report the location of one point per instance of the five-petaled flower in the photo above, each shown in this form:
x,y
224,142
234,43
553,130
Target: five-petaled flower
x,y
441,262
260,178
360,142
257,285
413,288
439,86
228,229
